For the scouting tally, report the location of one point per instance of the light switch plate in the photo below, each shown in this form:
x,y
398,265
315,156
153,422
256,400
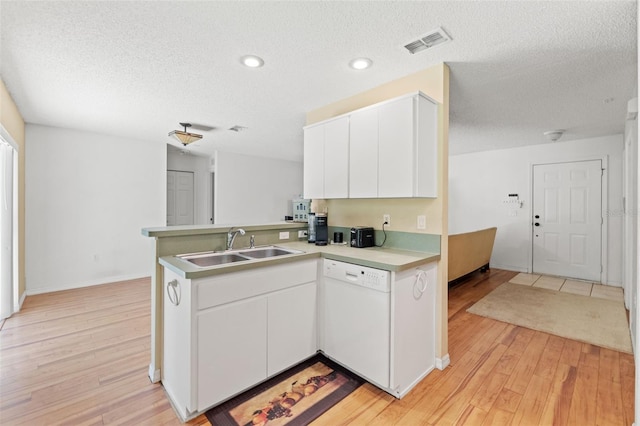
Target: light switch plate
x,y
422,222
284,235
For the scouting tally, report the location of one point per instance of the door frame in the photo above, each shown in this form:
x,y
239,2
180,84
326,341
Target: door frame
x,y
17,299
604,242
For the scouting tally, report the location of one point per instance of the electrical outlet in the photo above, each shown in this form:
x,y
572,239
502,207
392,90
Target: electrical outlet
x,y
302,234
284,235
422,222
387,218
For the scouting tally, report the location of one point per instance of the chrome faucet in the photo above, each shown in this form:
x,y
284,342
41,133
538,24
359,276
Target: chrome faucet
x,y
231,236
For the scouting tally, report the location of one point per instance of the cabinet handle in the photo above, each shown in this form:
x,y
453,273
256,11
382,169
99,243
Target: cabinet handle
x,y
173,292
421,284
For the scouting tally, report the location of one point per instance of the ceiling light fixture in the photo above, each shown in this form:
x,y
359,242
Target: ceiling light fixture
x,y
185,137
554,135
252,61
360,63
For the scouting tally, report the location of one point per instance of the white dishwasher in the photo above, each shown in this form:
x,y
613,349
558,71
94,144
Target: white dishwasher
x,y
356,319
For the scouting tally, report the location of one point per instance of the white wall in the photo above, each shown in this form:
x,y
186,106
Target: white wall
x,y
201,182
254,190
87,198
630,230
480,182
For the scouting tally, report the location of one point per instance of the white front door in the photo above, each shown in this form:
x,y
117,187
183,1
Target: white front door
x,y
567,219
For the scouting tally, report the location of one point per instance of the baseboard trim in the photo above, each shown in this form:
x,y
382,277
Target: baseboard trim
x,y
154,373
509,268
443,362
106,280
20,302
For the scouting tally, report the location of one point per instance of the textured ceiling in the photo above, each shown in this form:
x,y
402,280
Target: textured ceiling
x,y
136,69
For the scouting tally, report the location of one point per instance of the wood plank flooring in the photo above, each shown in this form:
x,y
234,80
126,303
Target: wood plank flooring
x,y
80,357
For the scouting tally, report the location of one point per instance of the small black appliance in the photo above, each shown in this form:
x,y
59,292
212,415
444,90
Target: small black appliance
x,y
322,230
362,236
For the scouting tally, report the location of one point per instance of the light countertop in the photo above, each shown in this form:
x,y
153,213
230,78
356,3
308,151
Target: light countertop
x,y
375,257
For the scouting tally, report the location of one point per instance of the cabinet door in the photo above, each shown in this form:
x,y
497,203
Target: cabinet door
x,y
413,326
336,158
396,148
427,149
232,349
363,154
176,342
291,325
313,175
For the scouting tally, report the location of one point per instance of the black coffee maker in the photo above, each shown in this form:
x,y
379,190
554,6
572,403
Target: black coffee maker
x,y
322,230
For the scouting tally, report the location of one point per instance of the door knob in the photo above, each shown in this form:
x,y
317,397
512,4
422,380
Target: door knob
x,y
537,224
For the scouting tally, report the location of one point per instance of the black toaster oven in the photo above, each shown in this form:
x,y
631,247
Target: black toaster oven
x,y
362,236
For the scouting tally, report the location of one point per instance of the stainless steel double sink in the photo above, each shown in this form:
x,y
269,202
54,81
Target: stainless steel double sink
x,y
207,259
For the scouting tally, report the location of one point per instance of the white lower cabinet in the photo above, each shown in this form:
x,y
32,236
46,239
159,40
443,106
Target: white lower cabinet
x,y
232,349
413,322
291,324
223,334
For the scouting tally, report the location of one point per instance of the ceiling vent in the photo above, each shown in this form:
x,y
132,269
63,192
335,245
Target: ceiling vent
x,y
433,38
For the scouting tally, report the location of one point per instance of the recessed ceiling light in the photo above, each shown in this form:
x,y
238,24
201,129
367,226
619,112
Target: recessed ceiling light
x,y
252,61
360,63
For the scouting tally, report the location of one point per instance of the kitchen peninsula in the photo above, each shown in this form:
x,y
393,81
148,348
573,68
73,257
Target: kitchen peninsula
x,y
204,317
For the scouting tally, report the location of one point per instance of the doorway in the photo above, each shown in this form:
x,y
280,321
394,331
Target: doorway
x,y
567,219
179,198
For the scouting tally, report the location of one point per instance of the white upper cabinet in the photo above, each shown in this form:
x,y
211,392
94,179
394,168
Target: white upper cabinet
x,y
396,142
326,159
408,148
386,150
313,175
426,154
336,158
363,154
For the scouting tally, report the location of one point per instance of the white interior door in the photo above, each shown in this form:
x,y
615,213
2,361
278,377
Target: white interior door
x,y
179,198
567,219
171,198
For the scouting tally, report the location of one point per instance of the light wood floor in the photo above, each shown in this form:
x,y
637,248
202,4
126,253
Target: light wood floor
x,y
81,357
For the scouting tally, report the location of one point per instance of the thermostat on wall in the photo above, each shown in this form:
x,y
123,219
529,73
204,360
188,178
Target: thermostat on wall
x,y
513,199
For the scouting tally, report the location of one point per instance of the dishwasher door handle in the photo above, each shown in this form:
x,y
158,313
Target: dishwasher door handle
x,y
351,276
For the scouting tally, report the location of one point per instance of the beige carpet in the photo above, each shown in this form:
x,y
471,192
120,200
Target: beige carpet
x,y
597,321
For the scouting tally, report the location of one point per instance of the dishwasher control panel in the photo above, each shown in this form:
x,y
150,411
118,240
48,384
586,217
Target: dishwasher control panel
x,y
376,279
